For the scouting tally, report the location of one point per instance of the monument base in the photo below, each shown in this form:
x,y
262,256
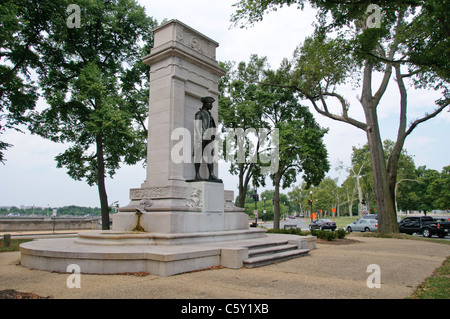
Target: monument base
x,y
198,206
180,222
167,231
113,238
108,252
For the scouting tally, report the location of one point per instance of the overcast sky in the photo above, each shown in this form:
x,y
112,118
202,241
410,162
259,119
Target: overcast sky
x,y
30,176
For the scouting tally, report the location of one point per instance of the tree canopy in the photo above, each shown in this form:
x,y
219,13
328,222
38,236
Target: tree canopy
x,y
22,28
96,88
348,46
297,139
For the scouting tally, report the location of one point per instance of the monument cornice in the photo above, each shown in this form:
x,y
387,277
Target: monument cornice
x,y
180,25
176,39
174,49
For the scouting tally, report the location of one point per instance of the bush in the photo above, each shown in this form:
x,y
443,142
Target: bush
x,y
290,231
322,234
341,233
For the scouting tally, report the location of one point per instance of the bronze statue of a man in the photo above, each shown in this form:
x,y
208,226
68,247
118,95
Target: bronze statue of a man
x,y
204,121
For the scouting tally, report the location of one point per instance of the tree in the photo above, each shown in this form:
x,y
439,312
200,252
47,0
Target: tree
x,y
323,198
301,148
441,190
239,109
249,104
285,207
362,173
95,85
299,196
326,196
419,196
430,190
349,187
23,23
358,51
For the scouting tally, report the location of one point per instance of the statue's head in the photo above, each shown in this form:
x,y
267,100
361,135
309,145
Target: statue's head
x,y
207,102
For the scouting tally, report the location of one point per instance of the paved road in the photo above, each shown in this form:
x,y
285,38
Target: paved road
x,y
303,224
434,236
330,271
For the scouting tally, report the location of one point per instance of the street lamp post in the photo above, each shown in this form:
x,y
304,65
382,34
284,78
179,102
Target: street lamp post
x,y
311,203
255,196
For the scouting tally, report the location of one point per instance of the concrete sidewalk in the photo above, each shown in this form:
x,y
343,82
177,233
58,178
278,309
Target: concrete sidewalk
x,y
330,271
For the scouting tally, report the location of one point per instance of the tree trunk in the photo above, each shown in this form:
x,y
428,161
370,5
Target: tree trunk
x,y
383,194
242,187
392,165
101,183
244,179
384,197
387,220
276,202
242,196
360,197
351,200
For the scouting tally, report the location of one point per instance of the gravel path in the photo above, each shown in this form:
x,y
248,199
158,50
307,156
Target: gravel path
x,y
330,271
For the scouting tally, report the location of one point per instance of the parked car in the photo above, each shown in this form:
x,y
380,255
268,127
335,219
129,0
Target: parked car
x,y
363,224
322,224
370,216
425,225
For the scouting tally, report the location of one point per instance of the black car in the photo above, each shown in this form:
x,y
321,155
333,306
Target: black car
x,y
322,224
425,225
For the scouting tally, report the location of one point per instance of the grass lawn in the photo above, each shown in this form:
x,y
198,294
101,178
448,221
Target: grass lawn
x,y
341,222
436,286
344,221
14,245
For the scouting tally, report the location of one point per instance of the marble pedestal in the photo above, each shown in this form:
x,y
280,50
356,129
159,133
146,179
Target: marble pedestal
x,y
198,207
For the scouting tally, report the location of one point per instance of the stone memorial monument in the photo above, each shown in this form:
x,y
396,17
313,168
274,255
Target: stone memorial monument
x,y
184,78
181,218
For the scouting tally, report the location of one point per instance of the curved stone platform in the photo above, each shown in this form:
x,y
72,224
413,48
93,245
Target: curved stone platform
x,y
108,252
165,239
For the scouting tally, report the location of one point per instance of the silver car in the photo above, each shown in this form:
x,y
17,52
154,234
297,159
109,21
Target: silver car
x,y
363,224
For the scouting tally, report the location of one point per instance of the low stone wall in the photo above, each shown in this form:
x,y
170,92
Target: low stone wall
x,y
46,224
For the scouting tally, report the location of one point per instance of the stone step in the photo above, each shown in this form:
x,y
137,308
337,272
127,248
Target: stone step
x,y
274,257
271,243
267,250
